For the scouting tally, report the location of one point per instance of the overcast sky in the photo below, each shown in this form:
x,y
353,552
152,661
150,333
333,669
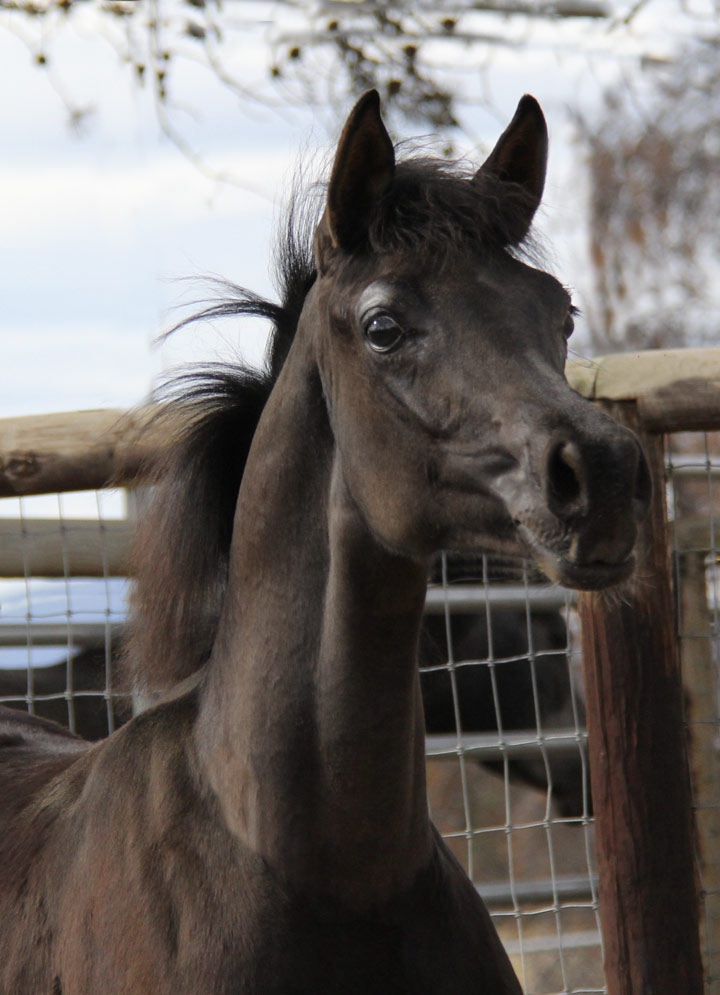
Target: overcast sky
x,y
98,228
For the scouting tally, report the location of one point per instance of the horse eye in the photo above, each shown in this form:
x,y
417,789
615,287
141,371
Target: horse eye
x,y
383,333
569,325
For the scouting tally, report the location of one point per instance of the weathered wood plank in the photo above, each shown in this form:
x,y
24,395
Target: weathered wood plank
x,y
39,547
699,675
80,450
691,405
84,450
629,375
42,633
677,390
639,769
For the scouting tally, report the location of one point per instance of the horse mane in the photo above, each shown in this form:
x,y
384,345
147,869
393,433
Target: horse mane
x,y
182,545
181,553
433,203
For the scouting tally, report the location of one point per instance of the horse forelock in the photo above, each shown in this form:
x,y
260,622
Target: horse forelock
x,y
433,203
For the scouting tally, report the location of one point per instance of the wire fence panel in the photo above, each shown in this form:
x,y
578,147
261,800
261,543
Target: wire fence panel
x,y
61,609
507,746
694,500
514,803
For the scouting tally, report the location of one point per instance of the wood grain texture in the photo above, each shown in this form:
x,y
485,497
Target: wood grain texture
x,y
649,903
691,405
79,450
628,376
37,547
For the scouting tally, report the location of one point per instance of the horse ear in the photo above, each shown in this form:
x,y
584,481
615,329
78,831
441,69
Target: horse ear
x,y
362,172
519,158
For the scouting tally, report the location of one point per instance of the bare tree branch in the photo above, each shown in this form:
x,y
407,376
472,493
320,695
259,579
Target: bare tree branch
x,y
365,43
654,159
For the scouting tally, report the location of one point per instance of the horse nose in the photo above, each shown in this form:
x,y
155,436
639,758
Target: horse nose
x,y
566,480
600,490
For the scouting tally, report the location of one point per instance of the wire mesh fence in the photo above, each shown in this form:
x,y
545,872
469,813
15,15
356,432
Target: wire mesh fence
x,y
694,503
62,606
507,761
514,804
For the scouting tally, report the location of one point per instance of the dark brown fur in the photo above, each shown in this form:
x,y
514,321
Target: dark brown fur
x,y
531,683
264,829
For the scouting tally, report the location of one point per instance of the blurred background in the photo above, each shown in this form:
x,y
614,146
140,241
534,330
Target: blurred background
x,y
151,144
148,144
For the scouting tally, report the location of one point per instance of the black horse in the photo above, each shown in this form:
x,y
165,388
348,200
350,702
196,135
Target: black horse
x,y
264,828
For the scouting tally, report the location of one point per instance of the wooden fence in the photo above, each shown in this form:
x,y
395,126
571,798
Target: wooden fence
x,y
671,391
655,878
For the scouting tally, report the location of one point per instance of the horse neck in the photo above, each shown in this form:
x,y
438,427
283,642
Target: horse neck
x,y
311,727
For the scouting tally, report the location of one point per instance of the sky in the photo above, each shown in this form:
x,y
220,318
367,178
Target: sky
x,y
102,229
106,231
99,230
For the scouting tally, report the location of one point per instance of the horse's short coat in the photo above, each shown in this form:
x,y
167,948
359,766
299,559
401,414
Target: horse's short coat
x,y
264,829
534,685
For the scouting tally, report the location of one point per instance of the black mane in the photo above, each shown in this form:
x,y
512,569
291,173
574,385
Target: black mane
x,y
183,545
434,203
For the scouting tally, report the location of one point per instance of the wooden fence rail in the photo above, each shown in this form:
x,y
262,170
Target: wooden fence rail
x,y
78,450
674,390
637,742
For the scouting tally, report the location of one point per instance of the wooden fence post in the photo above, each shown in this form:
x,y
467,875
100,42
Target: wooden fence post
x,y
639,769
698,667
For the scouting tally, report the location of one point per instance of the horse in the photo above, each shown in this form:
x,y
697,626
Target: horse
x,y
263,828
533,686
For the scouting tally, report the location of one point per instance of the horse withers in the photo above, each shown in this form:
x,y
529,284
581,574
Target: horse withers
x,y
264,828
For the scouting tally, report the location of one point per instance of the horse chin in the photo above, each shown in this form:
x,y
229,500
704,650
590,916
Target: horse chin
x,y
592,576
587,576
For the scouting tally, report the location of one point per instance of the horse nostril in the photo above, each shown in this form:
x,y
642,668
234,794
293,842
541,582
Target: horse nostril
x,y
565,478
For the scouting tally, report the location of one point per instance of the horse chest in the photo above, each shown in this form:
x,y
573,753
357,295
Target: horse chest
x,y
432,940
420,945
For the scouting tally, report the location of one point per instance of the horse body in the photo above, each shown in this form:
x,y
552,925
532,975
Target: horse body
x,y
272,833
265,830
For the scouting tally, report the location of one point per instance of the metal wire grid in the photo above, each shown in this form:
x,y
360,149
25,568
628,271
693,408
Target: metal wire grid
x,y
546,906
535,867
49,626
693,462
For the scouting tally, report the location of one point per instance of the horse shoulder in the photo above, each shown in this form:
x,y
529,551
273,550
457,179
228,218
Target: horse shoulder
x,y
33,753
89,893
39,766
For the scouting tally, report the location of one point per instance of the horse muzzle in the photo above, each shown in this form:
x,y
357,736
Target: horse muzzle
x,y
595,490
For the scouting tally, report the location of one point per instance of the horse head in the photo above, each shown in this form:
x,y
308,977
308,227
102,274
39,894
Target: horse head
x,y
441,353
